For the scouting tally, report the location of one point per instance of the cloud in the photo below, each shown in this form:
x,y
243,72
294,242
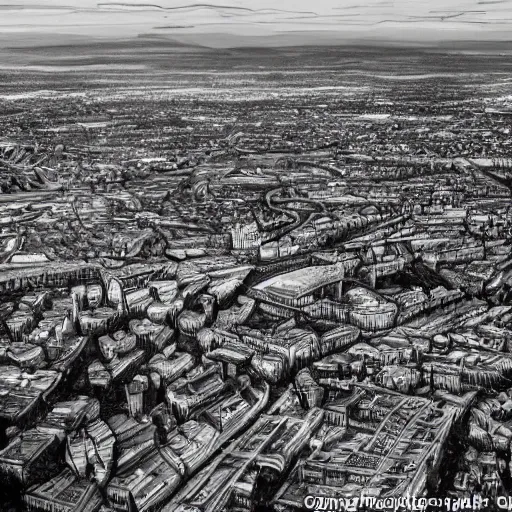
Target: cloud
x,y
422,20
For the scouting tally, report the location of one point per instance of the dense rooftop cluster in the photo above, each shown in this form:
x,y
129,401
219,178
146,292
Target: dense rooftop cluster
x,y
231,289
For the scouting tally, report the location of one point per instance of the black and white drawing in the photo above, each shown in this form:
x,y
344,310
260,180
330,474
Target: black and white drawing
x,y
255,256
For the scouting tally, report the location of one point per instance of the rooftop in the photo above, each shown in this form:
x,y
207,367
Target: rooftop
x,y
300,282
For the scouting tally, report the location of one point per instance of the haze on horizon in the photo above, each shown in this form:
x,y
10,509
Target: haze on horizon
x,y
224,23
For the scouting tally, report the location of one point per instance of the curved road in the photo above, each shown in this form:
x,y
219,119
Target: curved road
x,y
293,214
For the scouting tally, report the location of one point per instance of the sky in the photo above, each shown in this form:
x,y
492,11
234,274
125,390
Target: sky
x,y
266,22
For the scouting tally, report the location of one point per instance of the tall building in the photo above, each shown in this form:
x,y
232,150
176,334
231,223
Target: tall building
x,y
245,237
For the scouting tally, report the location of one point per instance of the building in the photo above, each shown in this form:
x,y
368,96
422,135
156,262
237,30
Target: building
x,y
245,237
301,287
393,443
